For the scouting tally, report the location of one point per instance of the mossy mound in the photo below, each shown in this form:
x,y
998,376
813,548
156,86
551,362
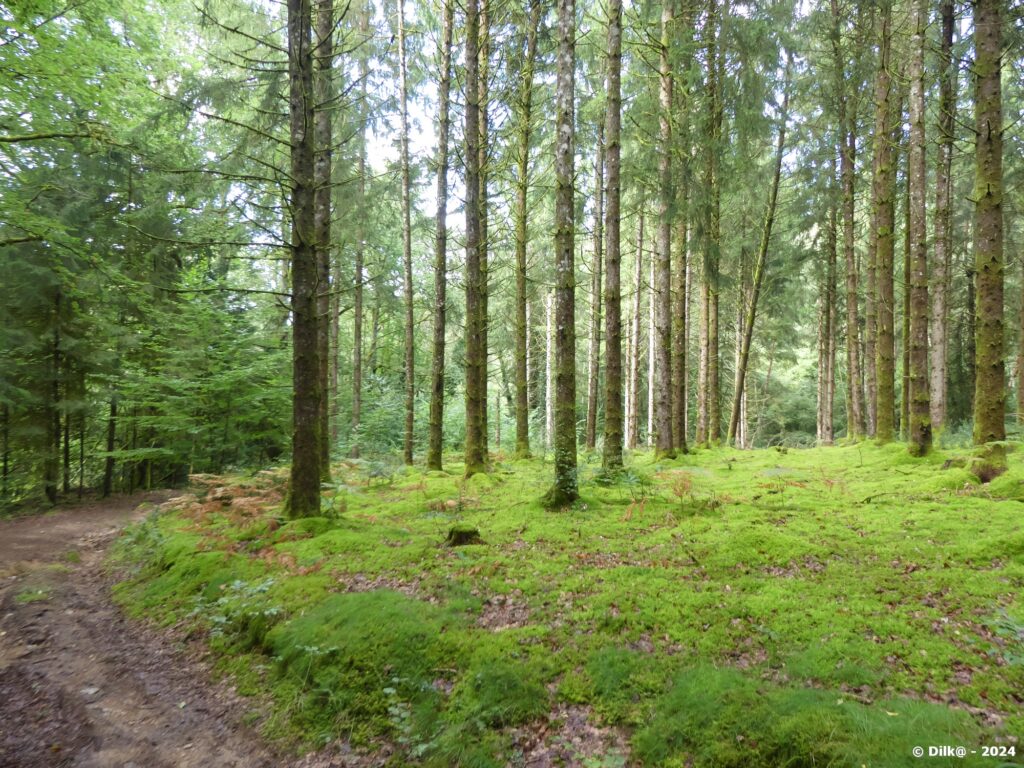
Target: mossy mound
x,y
721,718
357,655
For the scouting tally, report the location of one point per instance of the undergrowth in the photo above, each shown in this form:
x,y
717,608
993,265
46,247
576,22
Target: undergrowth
x,y
821,607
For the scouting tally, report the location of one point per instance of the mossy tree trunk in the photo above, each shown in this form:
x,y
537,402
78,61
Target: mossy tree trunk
x,y
594,351
712,245
679,325
989,372
940,267
323,74
410,356
827,318
883,217
475,355
304,487
483,147
612,454
524,111
564,490
680,266
846,99
905,335
920,427
360,244
436,427
633,393
661,289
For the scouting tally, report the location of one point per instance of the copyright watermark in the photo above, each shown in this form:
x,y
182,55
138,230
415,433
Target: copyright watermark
x,y
960,751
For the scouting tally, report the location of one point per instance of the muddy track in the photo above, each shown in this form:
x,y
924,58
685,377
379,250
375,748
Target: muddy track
x,y
83,685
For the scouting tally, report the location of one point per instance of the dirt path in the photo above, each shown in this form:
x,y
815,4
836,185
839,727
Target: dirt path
x,y
82,685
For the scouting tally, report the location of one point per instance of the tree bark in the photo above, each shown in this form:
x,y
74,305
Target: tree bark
x,y
594,352
612,455
661,289
920,426
989,372
883,201
475,352
633,406
410,341
525,125
712,245
827,317
360,249
304,488
847,105
564,490
761,264
939,337
485,242
549,370
323,112
652,334
679,326
435,442
905,377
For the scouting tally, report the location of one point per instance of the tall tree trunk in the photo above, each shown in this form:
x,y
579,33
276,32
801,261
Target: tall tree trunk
x,y
761,264
712,246
633,408
661,288
323,65
335,351
883,201
846,99
485,238
436,437
476,361
524,130
360,249
564,491
532,385
938,342
1020,355
612,456
594,352
651,352
679,326
304,488
701,434
989,373
410,349
827,330
549,370
905,378
971,316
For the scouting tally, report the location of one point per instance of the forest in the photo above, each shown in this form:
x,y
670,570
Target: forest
x,y
510,382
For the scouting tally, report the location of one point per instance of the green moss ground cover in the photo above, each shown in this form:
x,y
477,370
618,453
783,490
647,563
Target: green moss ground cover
x,y
824,607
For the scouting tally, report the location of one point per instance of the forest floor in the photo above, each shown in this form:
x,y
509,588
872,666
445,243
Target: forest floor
x,y
82,685
835,606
